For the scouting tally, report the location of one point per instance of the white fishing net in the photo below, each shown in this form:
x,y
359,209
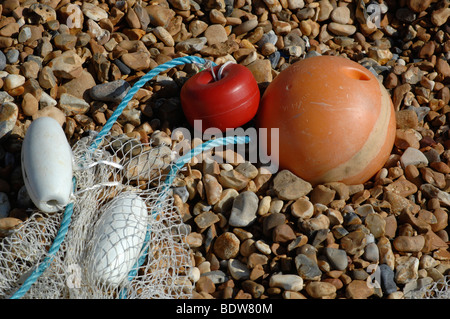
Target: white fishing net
x,y
436,290
125,239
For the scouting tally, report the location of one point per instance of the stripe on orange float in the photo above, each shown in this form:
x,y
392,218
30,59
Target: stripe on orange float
x,y
360,161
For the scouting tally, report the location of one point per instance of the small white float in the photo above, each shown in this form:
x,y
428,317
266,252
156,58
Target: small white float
x,y
117,240
47,165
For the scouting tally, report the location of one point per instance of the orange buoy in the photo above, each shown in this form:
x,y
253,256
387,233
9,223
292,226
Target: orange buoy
x,y
336,121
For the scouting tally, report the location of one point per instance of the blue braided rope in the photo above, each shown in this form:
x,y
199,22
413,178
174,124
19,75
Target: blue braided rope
x,y
67,217
65,222
183,160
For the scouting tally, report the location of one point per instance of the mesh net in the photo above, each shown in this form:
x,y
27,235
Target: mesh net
x,y
436,290
126,239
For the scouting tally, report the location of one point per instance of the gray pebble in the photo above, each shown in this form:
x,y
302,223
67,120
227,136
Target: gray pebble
x,y
274,58
388,284
182,192
113,91
336,257
306,268
243,212
238,270
12,56
371,253
269,37
312,53
216,276
2,61
293,39
122,67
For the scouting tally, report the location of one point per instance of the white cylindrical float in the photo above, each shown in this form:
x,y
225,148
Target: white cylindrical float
x,y
47,165
117,240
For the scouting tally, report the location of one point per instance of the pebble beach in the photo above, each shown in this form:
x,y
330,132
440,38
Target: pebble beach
x,y
252,234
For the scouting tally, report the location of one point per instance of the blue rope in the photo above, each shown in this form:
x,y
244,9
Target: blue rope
x,y
67,217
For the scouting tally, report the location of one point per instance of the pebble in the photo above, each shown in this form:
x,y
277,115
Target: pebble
x,y
387,281
13,81
288,186
78,87
406,269
286,282
358,289
354,242
8,117
376,224
216,276
306,268
413,156
253,288
243,212
72,105
341,15
440,16
93,12
263,247
51,111
341,29
67,66
30,105
302,208
192,45
212,188
238,270
321,290
206,219
226,200
232,179
409,243
3,60
226,246
371,252
137,61
311,225
336,257
12,56
113,91
283,234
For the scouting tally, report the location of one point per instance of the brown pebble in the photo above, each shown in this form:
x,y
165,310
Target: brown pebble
x,y
409,244
358,289
226,246
283,233
205,284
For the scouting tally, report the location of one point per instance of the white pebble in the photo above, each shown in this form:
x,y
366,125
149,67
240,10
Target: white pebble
x,y
13,81
287,282
263,247
194,274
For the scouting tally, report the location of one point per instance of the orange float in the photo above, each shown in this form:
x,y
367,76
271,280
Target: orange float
x,y
336,120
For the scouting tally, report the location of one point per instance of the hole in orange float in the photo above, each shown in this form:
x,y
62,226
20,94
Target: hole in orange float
x,y
356,74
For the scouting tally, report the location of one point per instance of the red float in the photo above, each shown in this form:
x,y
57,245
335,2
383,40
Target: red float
x,y
224,101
